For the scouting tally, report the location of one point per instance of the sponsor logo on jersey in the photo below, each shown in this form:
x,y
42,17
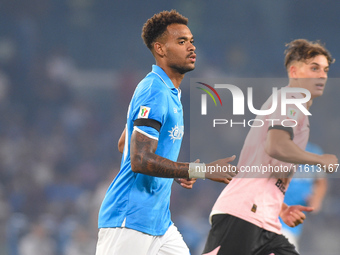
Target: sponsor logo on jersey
x,y
176,133
280,184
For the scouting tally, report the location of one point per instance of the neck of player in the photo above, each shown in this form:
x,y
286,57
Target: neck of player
x,y
175,76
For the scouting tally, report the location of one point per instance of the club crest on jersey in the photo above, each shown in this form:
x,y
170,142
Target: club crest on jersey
x,y
144,112
292,113
176,133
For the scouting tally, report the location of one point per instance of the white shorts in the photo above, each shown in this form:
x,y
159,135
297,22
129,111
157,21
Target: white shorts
x,y
125,241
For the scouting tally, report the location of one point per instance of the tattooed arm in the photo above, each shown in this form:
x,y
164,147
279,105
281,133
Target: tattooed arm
x,y
145,161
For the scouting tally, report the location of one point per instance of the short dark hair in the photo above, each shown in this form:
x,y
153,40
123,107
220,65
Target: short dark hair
x,y
157,25
302,50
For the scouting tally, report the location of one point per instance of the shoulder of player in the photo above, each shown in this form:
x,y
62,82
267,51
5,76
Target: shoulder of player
x,y
152,83
150,89
289,93
291,111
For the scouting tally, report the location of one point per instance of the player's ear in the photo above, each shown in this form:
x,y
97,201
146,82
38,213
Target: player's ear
x,y
292,70
159,49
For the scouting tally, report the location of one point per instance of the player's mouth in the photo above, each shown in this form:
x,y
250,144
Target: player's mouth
x,y
320,86
192,57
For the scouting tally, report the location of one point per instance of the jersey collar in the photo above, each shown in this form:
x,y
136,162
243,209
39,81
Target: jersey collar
x,y
164,77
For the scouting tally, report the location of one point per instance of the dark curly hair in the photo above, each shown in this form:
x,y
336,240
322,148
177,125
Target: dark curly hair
x,y
157,25
302,50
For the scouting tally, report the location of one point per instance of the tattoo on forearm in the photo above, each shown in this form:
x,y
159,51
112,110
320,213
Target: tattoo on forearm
x,y
144,160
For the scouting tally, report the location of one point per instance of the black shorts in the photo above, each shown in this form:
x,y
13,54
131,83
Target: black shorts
x,y
230,235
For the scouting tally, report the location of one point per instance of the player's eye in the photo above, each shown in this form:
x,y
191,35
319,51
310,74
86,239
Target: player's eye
x,y
192,41
181,42
315,68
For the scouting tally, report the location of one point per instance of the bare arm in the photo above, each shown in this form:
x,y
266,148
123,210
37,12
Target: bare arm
x,y
319,192
121,141
281,147
145,161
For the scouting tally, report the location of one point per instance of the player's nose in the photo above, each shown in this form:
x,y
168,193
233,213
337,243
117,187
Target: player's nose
x,y
192,47
323,74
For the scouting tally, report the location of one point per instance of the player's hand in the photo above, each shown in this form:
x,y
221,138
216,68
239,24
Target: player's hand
x,y
220,170
293,215
222,180
329,162
186,183
189,182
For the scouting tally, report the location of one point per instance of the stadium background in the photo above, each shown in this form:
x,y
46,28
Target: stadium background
x,y
67,72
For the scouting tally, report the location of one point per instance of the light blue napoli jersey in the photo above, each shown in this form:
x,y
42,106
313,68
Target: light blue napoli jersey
x,y
301,187
137,201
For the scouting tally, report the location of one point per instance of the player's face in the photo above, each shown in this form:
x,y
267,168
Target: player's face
x,y
179,48
312,75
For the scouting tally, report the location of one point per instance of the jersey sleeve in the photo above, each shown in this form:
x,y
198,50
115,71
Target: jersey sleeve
x,y
150,111
287,117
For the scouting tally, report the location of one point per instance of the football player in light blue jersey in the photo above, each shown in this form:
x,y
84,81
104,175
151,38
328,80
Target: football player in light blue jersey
x,y
134,217
307,188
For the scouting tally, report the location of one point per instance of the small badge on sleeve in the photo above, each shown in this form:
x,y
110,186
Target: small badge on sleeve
x,y
292,113
144,112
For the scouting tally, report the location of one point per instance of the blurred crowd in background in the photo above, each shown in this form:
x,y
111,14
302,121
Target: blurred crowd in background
x,y
68,69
